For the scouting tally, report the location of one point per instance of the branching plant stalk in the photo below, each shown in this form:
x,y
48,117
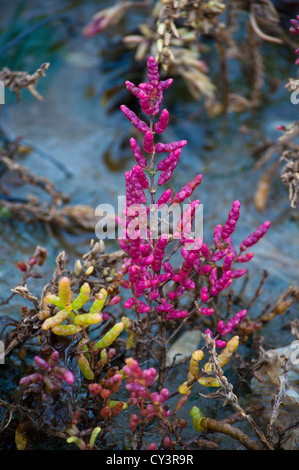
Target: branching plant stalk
x,y
230,397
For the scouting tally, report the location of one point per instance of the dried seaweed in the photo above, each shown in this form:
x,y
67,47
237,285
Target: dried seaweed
x,y
61,216
179,34
15,81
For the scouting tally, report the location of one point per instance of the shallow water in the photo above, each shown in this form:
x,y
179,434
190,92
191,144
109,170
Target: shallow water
x,y
74,127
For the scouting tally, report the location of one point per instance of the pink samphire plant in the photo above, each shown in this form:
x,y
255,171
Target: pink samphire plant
x,y
157,285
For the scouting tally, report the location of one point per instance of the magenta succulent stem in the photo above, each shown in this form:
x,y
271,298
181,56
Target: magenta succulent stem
x,y
149,267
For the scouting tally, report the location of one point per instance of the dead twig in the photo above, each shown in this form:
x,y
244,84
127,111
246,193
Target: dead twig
x,y
260,33
226,391
283,382
16,80
30,178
